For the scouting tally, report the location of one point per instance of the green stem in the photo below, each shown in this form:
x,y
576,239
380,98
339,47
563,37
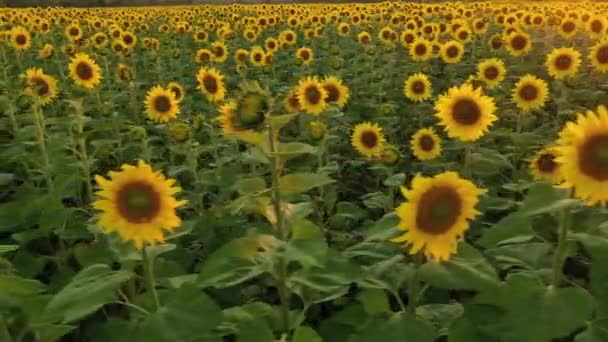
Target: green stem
x,y
560,251
278,210
40,139
4,334
84,159
413,289
149,273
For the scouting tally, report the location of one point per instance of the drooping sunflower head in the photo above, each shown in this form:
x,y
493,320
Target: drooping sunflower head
x,y
518,43
337,92
437,213
530,93
305,55
452,51
138,203
252,105
544,166
40,86
367,138
20,38
426,144
211,84
317,130
291,102
84,71
491,71
46,51
417,87
177,90
465,112
161,105
584,156
598,55
563,62
420,50
311,95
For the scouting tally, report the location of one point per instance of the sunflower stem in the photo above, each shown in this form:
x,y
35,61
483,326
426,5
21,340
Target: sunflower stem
x,y
276,201
83,156
40,139
149,273
560,251
413,288
4,334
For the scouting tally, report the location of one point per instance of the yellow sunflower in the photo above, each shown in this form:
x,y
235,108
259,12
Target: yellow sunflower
x,y
211,84
598,54
437,213
596,26
417,87
567,28
544,166
20,38
337,92
240,56
257,56
518,43
304,55
40,85
426,144
124,73
530,93
46,51
465,112
220,51
291,102
311,95
100,40
177,90
138,203
491,71
420,50
368,139
452,51
161,105
84,71
73,32
203,56
364,37
563,62
584,156
271,44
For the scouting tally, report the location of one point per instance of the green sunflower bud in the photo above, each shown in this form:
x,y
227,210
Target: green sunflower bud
x,y
387,109
317,130
252,105
138,132
179,131
390,155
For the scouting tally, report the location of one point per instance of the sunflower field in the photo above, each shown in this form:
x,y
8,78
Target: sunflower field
x,y
390,171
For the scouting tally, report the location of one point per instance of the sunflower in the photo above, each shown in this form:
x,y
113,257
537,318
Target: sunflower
x,y
530,93
368,139
124,73
291,102
452,51
417,87
211,84
100,40
84,71
311,95
201,36
257,56
20,38
436,214
250,35
46,51
596,26
240,56
465,112
271,44
584,156
220,51
491,71
161,105
337,92
129,39
304,55
544,166
73,32
343,29
496,41
40,86
203,56
420,50
567,28
364,37
425,144
563,62
288,37
137,203
177,90
518,43
598,54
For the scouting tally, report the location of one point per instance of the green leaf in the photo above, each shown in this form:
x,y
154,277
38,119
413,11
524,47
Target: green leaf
x,y
555,312
8,248
597,245
89,290
13,288
440,316
250,185
400,327
597,331
479,323
296,183
187,315
306,334
466,270
279,121
293,149
511,226
395,180
374,301
52,332
541,197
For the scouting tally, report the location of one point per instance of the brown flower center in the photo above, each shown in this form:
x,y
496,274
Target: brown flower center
x,y
219,51
162,104
438,210
138,202
452,51
210,84
409,38
528,92
333,94
84,71
418,87
40,85
463,35
420,49
568,27
313,95
257,57
519,42
293,101
563,62
490,73
21,39
602,55
305,54
369,139
546,163
593,157
128,39
466,112
597,26
496,43
177,92
426,143
74,31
